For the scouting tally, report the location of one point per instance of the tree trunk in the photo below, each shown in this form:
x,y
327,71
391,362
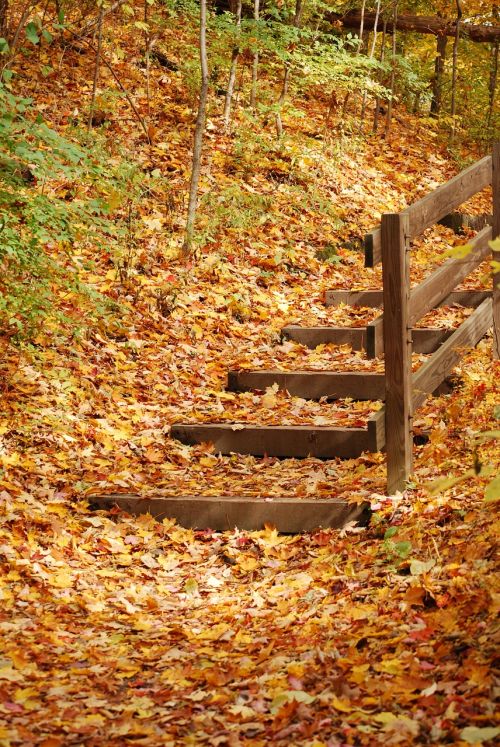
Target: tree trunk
x,y
492,87
4,10
232,71
388,120
437,81
286,77
255,64
198,133
358,50
420,24
455,69
96,69
378,100
370,56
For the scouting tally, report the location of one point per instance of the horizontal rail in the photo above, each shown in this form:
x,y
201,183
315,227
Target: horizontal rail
x,y
440,283
373,298
434,206
435,370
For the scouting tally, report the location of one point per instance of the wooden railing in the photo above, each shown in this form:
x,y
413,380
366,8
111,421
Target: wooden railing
x,y
403,307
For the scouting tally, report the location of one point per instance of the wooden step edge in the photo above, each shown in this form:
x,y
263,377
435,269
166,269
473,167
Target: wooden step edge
x,y
282,441
221,513
359,385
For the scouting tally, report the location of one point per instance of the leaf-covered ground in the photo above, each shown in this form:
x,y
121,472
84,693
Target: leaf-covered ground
x,y
119,630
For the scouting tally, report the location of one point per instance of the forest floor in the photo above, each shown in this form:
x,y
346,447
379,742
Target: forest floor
x,y
121,630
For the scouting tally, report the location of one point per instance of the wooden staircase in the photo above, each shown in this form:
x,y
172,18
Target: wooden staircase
x,y
394,333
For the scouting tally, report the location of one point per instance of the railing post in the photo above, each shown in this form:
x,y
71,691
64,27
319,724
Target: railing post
x,y
495,183
397,349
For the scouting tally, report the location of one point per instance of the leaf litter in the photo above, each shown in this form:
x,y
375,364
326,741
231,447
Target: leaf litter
x,y
119,630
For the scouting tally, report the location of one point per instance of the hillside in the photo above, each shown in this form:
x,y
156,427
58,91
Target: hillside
x,y
119,629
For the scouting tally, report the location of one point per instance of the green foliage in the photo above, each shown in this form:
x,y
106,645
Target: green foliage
x,y
40,222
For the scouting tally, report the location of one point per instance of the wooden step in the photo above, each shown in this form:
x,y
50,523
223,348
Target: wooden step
x,y
295,441
361,385
425,340
373,298
311,337
288,515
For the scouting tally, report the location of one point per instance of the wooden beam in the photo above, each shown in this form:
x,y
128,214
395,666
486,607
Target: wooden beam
x,y
374,299
425,340
363,385
311,337
397,347
288,515
431,292
434,206
295,441
496,254
417,24
441,363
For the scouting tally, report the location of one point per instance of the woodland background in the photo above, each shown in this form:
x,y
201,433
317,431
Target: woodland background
x,y
117,319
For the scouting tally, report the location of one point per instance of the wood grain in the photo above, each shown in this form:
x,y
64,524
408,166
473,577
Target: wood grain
x,y
361,385
298,441
397,347
441,363
288,515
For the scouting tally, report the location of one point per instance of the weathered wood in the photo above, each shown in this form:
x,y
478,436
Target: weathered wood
x,y
496,254
311,337
418,24
458,221
375,338
376,428
296,441
431,292
441,363
374,299
363,385
397,347
425,340
288,515
434,206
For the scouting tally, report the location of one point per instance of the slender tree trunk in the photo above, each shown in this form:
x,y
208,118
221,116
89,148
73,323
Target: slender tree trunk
x,y
198,133
370,56
255,64
358,50
454,73
232,71
437,81
378,100
388,120
4,10
96,68
286,77
148,43
493,73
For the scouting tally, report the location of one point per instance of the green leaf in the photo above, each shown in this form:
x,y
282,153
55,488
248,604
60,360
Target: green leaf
x,y
4,46
390,532
403,549
479,734
32,33
7,75
492,492
47,36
